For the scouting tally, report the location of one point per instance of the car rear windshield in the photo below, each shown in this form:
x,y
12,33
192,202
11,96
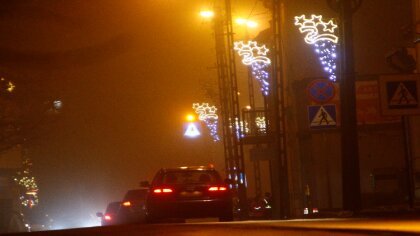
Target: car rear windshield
x,y
113,207
190,177
136,194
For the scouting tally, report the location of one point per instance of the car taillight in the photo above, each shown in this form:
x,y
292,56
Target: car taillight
x,y
214,189
162,190
107,217
126,204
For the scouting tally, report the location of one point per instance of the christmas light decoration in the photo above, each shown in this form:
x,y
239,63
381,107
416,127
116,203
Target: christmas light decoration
x,y
208,115
260,122
9,86
321,34
29,196
256,57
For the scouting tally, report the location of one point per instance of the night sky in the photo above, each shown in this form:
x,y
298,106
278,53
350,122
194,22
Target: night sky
x,y
127,73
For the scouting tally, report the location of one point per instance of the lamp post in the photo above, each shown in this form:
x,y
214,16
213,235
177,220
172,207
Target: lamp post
x,y
229,102
349,135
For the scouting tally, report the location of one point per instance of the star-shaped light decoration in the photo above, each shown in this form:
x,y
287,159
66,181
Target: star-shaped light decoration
x,y
322,35
208,115
256,57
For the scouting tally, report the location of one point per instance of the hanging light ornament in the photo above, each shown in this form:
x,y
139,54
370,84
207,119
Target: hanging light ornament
x,y
321,34
256,57
208,115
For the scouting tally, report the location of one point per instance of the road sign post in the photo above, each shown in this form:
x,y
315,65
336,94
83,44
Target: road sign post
x,y
400,94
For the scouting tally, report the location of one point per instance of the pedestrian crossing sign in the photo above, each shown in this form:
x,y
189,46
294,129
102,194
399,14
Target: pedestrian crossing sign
x,y
400,94
321,117
192,130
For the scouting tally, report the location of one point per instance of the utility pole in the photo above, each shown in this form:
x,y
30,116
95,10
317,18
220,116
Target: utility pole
x,y
280,178
229,101
349,134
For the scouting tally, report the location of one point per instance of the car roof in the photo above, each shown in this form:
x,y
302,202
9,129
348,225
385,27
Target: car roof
x,y
139,190
112,207
188,168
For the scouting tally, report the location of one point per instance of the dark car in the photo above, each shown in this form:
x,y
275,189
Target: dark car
x,y
133,208
189,192
110,215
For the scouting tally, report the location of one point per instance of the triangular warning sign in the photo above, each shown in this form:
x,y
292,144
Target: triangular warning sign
x,y
322,118
402,97
192,131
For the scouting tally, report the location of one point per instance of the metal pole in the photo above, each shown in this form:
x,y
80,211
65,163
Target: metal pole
x,y
282,202
237,135
408,161
349,134
229,102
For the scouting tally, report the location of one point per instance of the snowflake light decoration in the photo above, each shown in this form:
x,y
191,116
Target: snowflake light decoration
x,y
321,34
256,57
261,124
208,115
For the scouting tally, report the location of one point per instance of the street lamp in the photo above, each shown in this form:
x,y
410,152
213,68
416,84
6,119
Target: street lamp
x,y
229,101
246,22
190,118
207,14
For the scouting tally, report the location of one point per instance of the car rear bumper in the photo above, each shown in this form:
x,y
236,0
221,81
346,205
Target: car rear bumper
x,y
190,209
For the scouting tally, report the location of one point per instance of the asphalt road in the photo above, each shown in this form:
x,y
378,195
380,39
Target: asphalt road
x,y
324,227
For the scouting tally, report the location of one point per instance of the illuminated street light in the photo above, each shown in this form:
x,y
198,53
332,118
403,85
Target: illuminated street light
x,y
248,23
190,118
207,14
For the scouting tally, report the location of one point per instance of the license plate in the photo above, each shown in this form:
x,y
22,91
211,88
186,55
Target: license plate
x,y
191,194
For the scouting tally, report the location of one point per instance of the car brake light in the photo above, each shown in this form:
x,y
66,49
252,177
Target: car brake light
x,y
214,189
162,190
127,203
107,217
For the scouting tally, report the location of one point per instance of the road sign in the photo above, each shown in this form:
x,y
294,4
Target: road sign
x,y
400,94
324,116
192,129
321,90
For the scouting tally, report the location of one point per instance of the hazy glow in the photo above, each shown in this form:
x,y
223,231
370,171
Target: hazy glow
x,y
207,14
190,118
248,23
208,115
252,24
321,34
256,57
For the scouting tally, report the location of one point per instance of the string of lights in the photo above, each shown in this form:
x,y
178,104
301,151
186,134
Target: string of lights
x,y
321,34
208,115
256,57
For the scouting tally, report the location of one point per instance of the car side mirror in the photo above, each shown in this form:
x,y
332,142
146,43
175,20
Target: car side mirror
x,y
99,214
144,184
